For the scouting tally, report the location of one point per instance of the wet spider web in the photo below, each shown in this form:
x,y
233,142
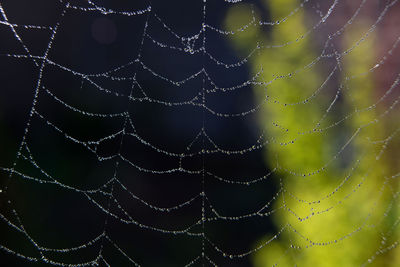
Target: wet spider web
x,y
139,140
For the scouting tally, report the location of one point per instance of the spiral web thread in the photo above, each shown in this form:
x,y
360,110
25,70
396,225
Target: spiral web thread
x,y
190,45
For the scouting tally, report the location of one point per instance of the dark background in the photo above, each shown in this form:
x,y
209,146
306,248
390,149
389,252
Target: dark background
x,y
90,42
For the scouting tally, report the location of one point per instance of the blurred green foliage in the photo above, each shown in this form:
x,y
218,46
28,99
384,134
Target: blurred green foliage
x,y
337,207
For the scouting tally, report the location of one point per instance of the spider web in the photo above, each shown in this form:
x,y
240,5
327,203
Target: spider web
x,y
135,137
